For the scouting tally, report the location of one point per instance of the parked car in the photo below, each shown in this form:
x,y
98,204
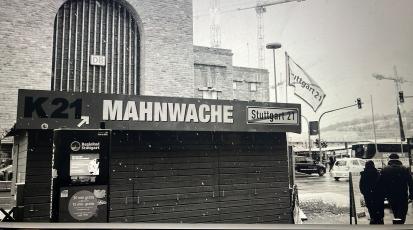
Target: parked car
x,y
308,165
343,166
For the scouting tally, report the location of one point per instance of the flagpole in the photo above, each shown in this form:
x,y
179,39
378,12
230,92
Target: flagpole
x,y
287,75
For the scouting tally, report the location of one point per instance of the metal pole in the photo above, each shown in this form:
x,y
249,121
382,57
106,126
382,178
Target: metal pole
x,y
309,137
275,77
374,130
350,196
319,133
287,75
319,122
396,81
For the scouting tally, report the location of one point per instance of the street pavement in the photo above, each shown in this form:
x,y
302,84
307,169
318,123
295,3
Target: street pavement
x,y
326,201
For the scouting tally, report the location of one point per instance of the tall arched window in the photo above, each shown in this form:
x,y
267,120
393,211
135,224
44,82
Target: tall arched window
x,y
95,48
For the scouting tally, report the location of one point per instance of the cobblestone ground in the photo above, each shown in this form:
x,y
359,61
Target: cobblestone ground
x,y
321,212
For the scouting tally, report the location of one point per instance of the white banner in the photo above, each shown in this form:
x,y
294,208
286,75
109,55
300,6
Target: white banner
x,y
305,87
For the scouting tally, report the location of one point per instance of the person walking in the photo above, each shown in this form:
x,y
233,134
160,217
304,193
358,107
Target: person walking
x,y
397,182
372,192
331,161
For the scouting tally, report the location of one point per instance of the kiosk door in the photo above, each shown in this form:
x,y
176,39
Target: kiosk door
x,y
80,175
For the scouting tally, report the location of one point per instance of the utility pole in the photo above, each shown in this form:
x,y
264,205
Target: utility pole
x,y
374,130
397,81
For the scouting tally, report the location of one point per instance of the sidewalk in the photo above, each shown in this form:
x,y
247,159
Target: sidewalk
x,y
388,216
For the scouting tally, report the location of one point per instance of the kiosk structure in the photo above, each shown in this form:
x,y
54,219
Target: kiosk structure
x,y
121,158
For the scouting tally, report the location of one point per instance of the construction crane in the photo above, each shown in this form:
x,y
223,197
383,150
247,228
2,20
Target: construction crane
x,y
260,9
215,29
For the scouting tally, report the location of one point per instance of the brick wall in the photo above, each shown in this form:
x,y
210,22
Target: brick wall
x,y
244,77
26,40
167,64
214,69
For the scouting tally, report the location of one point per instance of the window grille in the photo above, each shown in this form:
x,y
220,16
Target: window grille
x,y
90,27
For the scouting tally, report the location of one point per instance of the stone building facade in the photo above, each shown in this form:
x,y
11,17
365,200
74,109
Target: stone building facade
x,y
217,78
168,62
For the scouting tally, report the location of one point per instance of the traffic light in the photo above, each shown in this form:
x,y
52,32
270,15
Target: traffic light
x,y
401,97
324,144
359,103
317,143
313,127
410,142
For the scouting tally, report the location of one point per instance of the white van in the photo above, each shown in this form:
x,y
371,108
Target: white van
x,y
342,167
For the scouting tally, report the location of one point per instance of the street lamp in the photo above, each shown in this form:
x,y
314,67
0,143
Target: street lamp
x,y
396,80
329,111
274,46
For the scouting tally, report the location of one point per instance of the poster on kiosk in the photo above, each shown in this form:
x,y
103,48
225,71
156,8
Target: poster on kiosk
x,y
80,175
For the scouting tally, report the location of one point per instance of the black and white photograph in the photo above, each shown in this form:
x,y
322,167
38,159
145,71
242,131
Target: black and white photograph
x,y
206,114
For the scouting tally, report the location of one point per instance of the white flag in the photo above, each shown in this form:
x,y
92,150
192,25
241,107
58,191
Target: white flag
x,y
305,87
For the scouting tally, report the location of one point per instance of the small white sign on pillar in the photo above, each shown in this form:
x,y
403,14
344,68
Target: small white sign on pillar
x,y
99,60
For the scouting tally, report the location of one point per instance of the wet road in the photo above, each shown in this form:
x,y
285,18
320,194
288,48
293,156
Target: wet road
x,y
321,184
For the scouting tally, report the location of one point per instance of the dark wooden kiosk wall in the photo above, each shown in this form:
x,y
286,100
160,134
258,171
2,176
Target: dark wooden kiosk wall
x,y
188,177
199,177
38,175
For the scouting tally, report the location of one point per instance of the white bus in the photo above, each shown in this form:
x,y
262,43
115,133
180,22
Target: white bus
x,y
380,157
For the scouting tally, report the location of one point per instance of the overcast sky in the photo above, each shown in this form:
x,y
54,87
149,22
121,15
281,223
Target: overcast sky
x,y
340,43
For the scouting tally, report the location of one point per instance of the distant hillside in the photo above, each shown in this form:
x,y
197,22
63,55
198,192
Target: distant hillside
x,y
387,127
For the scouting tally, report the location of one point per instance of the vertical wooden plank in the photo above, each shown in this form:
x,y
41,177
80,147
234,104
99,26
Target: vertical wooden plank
x,y
106,47
81,47
124,46
75,58
130,54
56,50
63,47
100,48
94,48
69,47
113,44
133,56
118,52
37,185
88,48
136,56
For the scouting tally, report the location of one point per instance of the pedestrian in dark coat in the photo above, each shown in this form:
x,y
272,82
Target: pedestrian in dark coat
x,y
372,192
331,161
397,182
